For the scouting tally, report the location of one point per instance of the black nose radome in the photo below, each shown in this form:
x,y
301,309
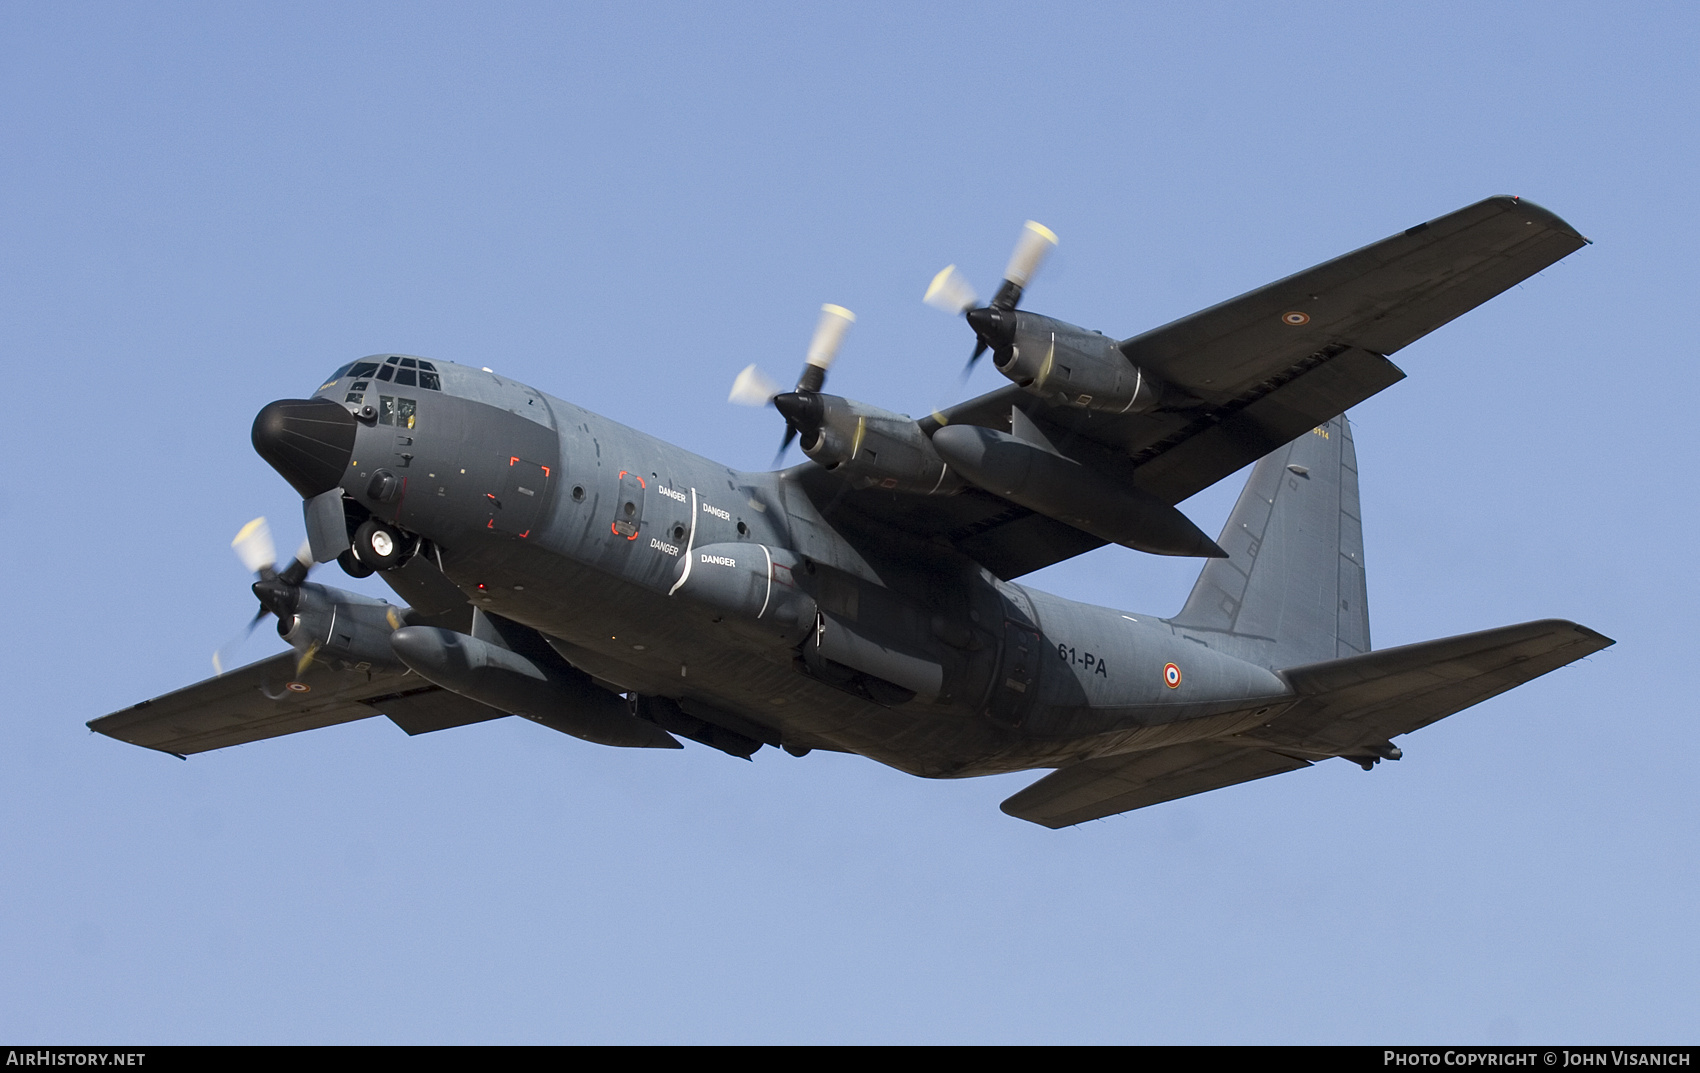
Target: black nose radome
x,y
309,441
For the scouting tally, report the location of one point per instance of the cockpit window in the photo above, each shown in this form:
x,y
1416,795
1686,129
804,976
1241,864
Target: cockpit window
x,y
409,372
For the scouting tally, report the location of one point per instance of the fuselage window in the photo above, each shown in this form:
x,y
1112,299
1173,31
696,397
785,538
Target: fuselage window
x,y
386,410
430,381
404,411
354,396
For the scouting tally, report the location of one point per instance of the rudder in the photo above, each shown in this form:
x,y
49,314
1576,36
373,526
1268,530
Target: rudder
x,y
1292,588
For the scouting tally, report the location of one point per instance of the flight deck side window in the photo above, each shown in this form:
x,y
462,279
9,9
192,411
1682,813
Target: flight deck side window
x,y
404,412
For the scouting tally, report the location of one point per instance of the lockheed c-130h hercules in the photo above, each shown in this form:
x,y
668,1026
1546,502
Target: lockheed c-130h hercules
x,y
601,582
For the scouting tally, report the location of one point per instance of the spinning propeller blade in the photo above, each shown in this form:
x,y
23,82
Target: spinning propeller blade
x,y
1035,242
254,546
753,388
823,348
951,292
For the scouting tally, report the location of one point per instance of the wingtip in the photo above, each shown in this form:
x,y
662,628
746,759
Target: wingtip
x,y
1548,218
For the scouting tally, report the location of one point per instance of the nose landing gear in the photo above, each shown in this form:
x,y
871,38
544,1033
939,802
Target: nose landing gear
x,y
376,546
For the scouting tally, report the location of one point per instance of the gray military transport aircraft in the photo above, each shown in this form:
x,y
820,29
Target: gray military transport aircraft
x,y
603,583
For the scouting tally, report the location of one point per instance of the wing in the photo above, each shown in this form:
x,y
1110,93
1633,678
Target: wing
x,y
1099,788
268,699
1261,368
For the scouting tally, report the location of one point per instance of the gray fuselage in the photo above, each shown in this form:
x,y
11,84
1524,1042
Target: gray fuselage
x,y
581,528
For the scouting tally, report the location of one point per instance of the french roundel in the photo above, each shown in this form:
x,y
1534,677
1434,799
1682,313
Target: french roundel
x,y
1295,318
1171,675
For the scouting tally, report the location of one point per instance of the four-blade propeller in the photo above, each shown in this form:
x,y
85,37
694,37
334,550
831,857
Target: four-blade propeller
x,y
801,406
951,291
278,590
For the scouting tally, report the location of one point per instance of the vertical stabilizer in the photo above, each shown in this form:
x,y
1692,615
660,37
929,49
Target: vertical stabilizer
x,y
1292,588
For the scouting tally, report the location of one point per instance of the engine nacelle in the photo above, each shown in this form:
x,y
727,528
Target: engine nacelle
x,y
874,448
342,627
1067,364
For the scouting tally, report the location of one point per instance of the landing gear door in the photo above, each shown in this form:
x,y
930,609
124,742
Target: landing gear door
x,y
628,506
1017,686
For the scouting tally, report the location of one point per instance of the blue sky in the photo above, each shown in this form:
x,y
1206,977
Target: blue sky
x,y
210,206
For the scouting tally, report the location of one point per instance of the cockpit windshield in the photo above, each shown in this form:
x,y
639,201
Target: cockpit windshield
x,y
406,372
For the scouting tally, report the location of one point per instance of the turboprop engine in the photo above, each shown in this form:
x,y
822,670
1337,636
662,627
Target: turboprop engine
x,y
319,622
345,628
867,446
1065,363
1057,361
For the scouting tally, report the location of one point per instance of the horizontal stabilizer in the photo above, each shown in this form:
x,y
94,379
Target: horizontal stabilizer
x,y
1346,704
1098,788
1344,707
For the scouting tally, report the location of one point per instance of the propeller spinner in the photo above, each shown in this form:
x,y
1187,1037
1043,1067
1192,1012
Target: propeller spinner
x,y
951,291
801,407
